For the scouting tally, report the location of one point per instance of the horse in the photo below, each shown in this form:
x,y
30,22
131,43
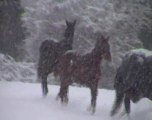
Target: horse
x,y
133,81
83,69
50,53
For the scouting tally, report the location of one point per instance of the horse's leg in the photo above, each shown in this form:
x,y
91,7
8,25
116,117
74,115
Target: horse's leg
x,y
118,102
66,99
127,104
44,85
93,98
63,93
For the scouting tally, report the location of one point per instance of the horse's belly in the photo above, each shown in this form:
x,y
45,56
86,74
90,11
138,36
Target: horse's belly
x,y
84,77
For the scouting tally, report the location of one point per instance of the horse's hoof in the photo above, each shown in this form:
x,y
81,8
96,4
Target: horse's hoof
x,y
44,95
66,100
91,109
123,113
45,92
64,103
113,112
57,98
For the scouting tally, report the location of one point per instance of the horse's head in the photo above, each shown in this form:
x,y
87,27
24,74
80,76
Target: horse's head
x,y
103,45
69,32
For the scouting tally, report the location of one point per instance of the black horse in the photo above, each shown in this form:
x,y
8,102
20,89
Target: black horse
x,y
133,80
51,51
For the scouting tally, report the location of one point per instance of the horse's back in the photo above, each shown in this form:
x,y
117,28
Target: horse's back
x,y
128,72
47,45
134,74
148,69
80,67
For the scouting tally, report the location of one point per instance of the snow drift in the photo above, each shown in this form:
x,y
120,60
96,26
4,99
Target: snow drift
x,y
10,70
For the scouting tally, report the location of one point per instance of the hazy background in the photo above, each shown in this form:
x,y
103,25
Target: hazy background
x,y
24,24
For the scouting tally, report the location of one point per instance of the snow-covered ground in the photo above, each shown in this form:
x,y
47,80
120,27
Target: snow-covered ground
x,y
23,101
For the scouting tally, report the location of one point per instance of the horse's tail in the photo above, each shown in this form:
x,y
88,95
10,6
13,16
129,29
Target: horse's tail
x,y
118,101
118,85
41,66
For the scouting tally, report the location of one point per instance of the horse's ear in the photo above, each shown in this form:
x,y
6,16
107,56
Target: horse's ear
x,y
102,37
74,22
67,22
107,38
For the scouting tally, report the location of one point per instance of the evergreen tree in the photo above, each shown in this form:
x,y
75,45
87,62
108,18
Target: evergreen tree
x,y
145,34
11,30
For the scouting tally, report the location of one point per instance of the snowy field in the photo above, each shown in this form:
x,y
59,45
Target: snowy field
x,y
23,101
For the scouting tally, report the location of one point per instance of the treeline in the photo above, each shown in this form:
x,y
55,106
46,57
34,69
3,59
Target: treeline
x,y
12,32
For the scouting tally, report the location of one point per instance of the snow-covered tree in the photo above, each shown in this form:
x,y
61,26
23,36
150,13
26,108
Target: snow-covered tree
x,y
145,34
133,16
121,20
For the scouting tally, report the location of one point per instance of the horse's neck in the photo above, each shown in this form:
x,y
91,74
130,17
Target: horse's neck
x,y
96,55
67,41
92,58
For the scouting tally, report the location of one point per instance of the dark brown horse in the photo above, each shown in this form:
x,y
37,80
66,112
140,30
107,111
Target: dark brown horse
x,y
83,69
50,53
